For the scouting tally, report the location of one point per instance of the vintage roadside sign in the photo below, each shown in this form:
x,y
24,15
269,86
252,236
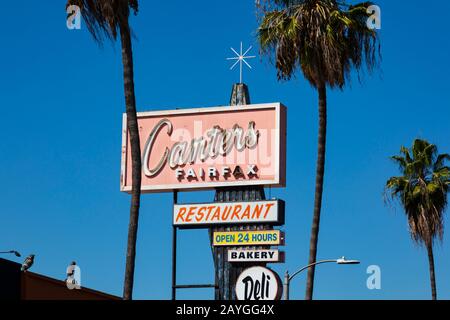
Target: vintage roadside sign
x,y
248,238
257,255
258,283
225,213
205,148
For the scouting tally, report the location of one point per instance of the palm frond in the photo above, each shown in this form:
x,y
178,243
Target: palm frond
x,y
325,39
104,18
422,190
440,161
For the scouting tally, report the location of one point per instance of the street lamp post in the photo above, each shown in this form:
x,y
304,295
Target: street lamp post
x,y
288,278
16,253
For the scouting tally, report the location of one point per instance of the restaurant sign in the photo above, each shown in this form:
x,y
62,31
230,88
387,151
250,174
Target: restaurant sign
x,y
205,148
207,214
248,238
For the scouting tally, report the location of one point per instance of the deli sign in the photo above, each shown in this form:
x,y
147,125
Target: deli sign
x,y
258,283
201,215
208,147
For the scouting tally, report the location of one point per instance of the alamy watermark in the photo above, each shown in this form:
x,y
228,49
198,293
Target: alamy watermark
x,y
374,280
374,21
73,21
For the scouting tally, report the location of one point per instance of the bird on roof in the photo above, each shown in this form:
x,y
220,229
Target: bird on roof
x,y
71,269
28,263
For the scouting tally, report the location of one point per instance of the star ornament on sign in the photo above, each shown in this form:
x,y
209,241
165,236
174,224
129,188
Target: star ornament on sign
x,y
241,58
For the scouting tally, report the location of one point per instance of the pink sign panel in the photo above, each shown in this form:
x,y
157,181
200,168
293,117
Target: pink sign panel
x,y
207,148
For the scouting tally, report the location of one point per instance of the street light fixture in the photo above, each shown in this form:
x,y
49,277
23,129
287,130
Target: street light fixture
x,y
345,261
16,253
288,278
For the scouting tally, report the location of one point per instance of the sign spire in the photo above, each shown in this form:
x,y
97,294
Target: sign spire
x,y
241,58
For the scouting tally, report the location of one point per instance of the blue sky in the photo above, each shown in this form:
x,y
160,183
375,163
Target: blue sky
x,y
61,107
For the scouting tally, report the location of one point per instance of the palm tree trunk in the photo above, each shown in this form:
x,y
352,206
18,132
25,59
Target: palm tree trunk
x,y
130,101
432,274
320,170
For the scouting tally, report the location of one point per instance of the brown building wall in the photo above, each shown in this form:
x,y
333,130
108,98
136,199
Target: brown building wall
x,y
15,285
38,287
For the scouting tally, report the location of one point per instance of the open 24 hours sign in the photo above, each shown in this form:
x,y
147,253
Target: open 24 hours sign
x,y
248,238
205,148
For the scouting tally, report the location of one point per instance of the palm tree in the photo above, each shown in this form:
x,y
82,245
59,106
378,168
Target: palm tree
x,y
108,19
325,39
422,191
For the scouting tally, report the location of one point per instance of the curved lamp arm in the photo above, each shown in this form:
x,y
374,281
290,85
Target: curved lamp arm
x,y
287,278
311,265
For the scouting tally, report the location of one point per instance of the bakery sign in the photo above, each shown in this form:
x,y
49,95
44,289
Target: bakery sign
x,y
206,148
255,255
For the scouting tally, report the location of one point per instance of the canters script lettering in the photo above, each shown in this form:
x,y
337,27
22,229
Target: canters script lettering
x,y
216,142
